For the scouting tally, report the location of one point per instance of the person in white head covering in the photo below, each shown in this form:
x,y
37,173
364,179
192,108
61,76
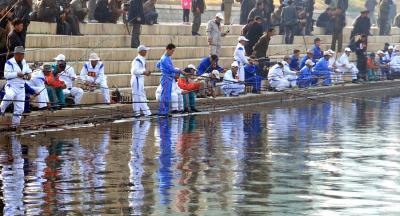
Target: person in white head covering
x,y
277,79
92,74
231,85
214,34
240,56
390,54
290,75
138,72
395,66
305,75
383,66
344,66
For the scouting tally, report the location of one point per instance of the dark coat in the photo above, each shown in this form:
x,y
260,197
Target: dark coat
x,y
339,22
253,35
362,25
261,47
289,15
343,4
15,39
135,12
324,21
198,4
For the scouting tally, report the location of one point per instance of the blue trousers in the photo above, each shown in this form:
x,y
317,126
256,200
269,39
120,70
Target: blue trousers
x,y
165,97
255,82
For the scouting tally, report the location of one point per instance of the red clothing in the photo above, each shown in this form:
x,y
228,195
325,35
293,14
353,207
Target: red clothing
x,y
371,63
184,84
186,4
54,82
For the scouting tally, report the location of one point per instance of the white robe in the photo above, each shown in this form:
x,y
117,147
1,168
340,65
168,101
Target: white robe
x,y
277,79
344,66
231,86
240,57
68,76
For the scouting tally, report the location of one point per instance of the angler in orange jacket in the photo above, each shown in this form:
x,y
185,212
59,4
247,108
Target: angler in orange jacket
x,y
189,88
55,89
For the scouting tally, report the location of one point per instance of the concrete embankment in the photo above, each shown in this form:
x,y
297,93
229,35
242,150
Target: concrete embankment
x,y
107,113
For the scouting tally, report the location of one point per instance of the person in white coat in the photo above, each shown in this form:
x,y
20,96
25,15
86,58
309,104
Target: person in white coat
x,y
138,72
231,85
290,75
395,64
240,57
92,74
38,83
336,75
68,75
276,77
176,96
16,72
344,66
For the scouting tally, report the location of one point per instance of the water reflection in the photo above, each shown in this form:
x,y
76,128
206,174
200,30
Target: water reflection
x,y
332,157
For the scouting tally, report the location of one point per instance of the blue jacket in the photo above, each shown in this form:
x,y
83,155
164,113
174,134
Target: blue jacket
x,y
317,52
167,68
305,73
303,61
205,67
250,71
294,63
322,67
136,11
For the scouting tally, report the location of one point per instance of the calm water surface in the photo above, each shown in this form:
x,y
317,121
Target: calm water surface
x,y
336,157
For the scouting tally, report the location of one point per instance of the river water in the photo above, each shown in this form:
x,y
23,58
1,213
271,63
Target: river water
x,y
327,157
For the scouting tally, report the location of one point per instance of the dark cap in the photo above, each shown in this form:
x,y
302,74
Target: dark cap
x,y
47,68
19,49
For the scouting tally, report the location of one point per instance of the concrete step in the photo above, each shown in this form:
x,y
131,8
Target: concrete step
x,y
127,54
122,41
159,29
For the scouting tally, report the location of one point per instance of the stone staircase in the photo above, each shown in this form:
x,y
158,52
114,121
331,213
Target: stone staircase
x,y
112,42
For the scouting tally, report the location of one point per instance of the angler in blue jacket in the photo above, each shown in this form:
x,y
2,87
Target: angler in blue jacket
x,y
168,73
316,48
208,65
295,60
305,76
251,77
309,55
322,70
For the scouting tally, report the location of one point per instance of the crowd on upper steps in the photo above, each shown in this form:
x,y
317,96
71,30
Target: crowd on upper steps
x,y
53,86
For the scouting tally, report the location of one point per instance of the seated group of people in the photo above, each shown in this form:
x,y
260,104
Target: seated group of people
x,y
49,85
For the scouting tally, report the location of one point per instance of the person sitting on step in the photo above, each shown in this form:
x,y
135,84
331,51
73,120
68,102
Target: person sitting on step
x,y
231,85
189,88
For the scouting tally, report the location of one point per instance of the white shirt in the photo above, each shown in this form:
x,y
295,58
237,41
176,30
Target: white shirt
x,y
175,88
287,71
98,70
240,55
11,71
275,73
68,76
228,77
38,79
343,63
138,66
395,61
388,57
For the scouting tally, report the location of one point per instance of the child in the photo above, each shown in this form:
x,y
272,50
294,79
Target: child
x,y
186,4
372,66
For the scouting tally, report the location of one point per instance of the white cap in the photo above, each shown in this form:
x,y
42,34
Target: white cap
x,y
310,62
60,57
380,52
94,57
192,67
327,53
219,15
390,47
242,38
284,63
215,73
347,50
142,48
331,51
235,64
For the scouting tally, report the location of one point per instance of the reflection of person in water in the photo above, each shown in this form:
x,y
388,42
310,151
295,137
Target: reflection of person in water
x,y
165,160
136,192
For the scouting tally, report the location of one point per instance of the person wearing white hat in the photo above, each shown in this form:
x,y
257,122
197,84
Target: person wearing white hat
x,y
322,71
390,54
138,73
190,87
305,76
16,72
38,83
276,77
92,74
344,66
383,65
68,76
240,56
289,74
214,34
335,74
210,82
395,67
231,85
176,96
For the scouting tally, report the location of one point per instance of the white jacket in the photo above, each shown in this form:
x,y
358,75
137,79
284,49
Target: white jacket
x,y
395,63
68,76
11,71
240,55
38,79
343,64
138,66
99,76
275,73
228,78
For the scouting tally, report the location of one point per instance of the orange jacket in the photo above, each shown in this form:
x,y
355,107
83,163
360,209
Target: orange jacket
x,y
54,82
371,63
184,84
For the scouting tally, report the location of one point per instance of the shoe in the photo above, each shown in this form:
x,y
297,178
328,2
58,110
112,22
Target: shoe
x,y
93,21
175,112
165,115
194,110
196,34
182,112
186,110
137,116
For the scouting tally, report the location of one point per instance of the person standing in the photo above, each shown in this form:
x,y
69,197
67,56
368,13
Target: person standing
x,y
370,6
198,7
339,22
392,13
383,17
245,7
361,52
138,72
289,21
324,21
186,5
214,34
258,11
16,72
150,12
78,8
240,56
227,11
91,9
309,10
168,72
362,25
254,34
261,47
136,17
268,10
15,38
